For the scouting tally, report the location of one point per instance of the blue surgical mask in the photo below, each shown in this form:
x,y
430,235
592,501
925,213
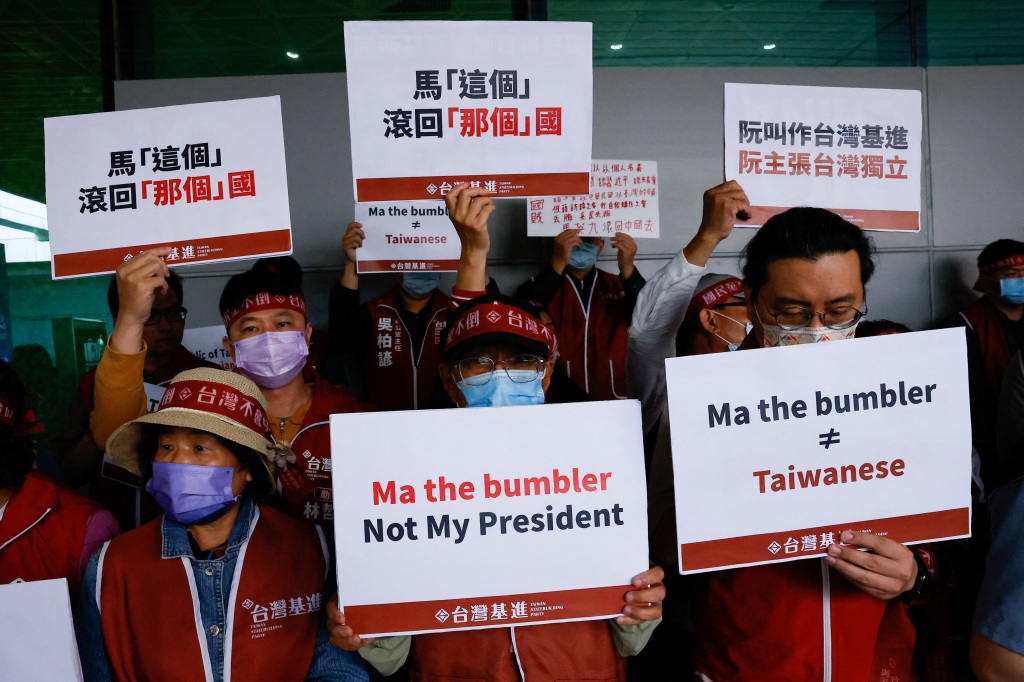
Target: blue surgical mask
x,y
1012,290
583,256
501,391
192,494
419,284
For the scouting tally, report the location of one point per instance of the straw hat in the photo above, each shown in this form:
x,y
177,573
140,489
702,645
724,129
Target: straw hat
x,y
222,403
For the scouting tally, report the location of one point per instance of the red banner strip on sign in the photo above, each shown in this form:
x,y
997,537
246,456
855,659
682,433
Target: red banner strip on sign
x,y
203,249
393,265
751,549
524,185
894,221
517,609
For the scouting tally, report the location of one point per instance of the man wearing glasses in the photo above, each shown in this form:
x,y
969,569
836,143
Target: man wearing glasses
x,y
80,459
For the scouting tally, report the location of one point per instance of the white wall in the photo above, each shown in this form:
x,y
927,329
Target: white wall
x,y
971,192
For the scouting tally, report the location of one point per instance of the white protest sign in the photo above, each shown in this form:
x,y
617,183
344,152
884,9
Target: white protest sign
x,y
205,344
206,179
777,451
854,151
38,641
407,235
623,198
503,105
466,519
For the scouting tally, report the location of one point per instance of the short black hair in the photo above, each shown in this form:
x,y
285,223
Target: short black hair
x,y
254,282
248,459
114,301
807,233
451,356
280,265
17,453
999,250
869,328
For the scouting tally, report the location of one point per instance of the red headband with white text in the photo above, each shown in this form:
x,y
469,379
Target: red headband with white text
x,y
265,301
221,399
499,318
1011,262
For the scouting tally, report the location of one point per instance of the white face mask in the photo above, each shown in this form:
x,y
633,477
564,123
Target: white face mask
x,y
777,336
746,330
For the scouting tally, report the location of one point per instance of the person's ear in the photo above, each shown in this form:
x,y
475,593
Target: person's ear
x,y
709,321
450,387
549,371
229,347
309,335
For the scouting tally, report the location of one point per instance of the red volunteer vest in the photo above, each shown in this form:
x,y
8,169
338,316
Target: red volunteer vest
x,y
995,351
550,652
593,334
150,610
42,532
397,378
312,448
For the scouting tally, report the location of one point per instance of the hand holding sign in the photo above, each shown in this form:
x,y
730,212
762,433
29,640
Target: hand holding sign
x,y
564,243
352,240
342,634
625,248
886,571
644,603
469,208
139,280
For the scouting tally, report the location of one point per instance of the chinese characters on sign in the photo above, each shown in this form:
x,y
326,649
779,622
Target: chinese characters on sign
x,y
429,114
854,151
118,183
623,198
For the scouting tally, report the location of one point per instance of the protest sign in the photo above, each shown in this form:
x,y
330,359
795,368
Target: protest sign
x,y
502,105
854,151
777,451
623,198
205,344
38,640
407,235
464,519
207,180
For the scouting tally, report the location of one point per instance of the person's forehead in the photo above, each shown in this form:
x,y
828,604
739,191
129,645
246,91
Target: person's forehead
x,y
494,351
825,280
166,300
1009,272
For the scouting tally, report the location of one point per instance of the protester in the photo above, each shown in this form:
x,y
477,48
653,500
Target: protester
x,y
591,309
1010,424
995,332
397,336
267,338
222,587
80,458
46,530
506,358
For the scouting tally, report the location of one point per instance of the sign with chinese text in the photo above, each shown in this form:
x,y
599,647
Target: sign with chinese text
x,y
403,236
623,198
207,180
39,637
776,451
205,344
502,105
854,151
460,519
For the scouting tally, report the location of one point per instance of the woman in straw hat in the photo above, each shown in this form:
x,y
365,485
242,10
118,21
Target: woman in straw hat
x,y
222,587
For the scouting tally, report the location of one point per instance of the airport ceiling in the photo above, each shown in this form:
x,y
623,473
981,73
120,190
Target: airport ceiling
x,y
60,57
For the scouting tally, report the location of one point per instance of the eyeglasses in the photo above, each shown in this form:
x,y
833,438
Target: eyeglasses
x,y
173,315
519,368
794,317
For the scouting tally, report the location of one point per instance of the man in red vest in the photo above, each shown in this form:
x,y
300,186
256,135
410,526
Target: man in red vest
x,y
268,339
397,335
222,587
995,332
591,309
509,340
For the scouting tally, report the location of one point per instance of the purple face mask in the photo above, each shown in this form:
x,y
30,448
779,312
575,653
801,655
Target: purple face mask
x,y
271,359
192,493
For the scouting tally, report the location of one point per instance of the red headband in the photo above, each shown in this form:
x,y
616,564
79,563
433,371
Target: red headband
x,y
498,318
714,294
27,424
209,396
265,301
1011,262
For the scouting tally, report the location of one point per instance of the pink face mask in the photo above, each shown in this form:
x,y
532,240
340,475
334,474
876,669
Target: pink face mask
x,y
271,359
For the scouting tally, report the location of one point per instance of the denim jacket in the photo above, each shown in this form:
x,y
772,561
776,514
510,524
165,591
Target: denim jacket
x,y
213,585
